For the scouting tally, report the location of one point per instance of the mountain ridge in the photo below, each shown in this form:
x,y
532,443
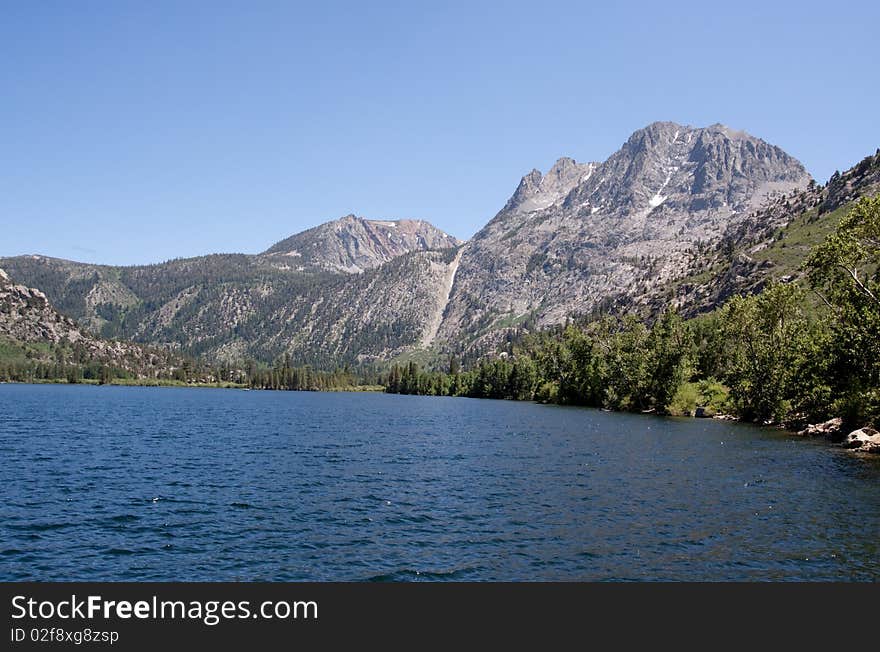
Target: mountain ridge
x,y
564,243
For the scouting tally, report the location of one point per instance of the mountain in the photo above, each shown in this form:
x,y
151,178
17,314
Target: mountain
x,y
537,191
359,290
568,241
773,242
32,331
638,229
352,244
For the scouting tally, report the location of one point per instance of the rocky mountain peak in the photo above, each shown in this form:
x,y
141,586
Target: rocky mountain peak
x,y
656,131
692,169
537,191
354,244
570,239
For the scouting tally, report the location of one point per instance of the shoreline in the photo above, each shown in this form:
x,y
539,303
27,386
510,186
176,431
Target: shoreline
x,y
119,382
834,436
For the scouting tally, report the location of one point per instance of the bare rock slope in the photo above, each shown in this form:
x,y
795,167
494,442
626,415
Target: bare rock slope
x,y
567,241
26,316
353,244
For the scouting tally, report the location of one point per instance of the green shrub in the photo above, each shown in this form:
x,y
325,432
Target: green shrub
x,y
547,393
684,401
714,395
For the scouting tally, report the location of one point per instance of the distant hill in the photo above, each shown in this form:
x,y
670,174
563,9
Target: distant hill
x,y
32,332
350,290
352,244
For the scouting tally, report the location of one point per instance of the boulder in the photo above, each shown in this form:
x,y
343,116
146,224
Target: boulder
x,y
825,429
866,440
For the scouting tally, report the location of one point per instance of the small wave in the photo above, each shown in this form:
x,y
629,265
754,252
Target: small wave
x,y
39,527
411,575
414,519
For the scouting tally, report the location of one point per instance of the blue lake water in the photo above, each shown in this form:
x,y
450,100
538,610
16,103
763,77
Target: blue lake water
x,y
128,483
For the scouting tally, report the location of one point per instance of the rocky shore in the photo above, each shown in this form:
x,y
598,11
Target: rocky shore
x,y
863,440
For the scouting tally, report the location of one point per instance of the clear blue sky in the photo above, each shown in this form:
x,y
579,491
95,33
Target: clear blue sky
x,y
134,132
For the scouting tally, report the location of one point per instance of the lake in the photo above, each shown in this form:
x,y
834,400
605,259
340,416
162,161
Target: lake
x,y
137,483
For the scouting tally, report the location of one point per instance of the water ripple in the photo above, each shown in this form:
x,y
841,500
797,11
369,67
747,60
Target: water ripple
x,y
184,484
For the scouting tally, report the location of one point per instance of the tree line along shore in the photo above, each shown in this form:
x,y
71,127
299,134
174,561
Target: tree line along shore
x,y
795,354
